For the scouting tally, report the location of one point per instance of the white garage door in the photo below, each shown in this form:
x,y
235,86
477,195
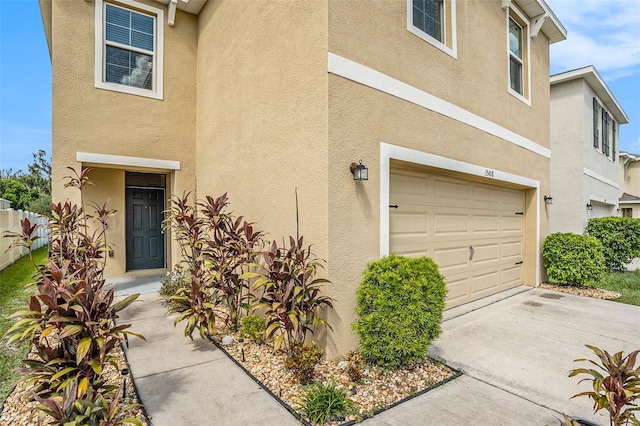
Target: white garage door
x,y
599,210
473,231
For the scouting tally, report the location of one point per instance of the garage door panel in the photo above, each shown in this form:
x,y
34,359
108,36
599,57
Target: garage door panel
x,y
402,184
451,224
512,223
457,290
511,249
408,224
482,282
451,259
486,252
440,217
511,277
485,223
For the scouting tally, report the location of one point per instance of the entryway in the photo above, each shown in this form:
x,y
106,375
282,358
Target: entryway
x,y
145,206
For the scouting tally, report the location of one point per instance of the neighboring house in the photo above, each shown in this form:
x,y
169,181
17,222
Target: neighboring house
x,y
585,120
446,103
629,168
4,204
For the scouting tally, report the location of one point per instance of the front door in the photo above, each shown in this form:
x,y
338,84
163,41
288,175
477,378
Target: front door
x,y
145,241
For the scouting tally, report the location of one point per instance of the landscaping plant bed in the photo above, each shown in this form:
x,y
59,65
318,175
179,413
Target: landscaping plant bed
x,y
596,293
20,409
376,391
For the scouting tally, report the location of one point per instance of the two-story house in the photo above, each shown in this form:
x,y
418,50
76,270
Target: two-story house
x,y
445,102
585,120
629,178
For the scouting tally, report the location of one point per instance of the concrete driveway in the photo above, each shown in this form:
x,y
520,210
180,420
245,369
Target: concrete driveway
x,y
516,354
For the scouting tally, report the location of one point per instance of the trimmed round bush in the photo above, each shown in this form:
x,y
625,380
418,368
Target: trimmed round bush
x,y
399,304
620,238
573,259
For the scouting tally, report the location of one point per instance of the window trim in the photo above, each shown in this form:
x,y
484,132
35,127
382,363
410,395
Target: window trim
x,y
449,43
519,18
100,49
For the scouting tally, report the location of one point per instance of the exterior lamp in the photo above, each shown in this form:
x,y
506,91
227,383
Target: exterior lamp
x,y
589,207
359,171
548,199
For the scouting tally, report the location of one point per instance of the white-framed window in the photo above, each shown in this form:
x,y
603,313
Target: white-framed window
x,y
434,21
518,55
129,48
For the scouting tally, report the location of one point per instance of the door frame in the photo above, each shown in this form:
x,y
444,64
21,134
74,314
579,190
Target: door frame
x,y
126,227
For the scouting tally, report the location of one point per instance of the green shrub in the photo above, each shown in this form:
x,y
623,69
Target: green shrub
x,y
302,361
399,303
174,280
573,259
620,237
325,403
253,327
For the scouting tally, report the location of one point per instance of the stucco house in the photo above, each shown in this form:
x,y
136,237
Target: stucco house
x,y
259,99
585,120
629,178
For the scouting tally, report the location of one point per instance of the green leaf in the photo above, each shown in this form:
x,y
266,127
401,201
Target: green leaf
x,y
83,347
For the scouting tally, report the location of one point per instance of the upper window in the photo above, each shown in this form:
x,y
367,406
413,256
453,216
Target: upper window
x,y
515,56
129,48
518,54
434,22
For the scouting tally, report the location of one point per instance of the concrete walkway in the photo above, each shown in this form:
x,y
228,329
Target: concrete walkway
x,y
515,353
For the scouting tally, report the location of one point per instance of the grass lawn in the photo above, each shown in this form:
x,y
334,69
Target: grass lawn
x,y
625,283
12,298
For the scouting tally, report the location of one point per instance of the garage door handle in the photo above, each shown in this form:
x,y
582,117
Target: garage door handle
x,y
471,252
393,206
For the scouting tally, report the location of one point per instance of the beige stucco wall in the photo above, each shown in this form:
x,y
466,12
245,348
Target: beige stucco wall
x,y
360,118
262,125
374,33
262,114
93,120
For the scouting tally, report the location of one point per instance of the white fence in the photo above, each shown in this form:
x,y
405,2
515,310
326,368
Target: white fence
x,y
10,221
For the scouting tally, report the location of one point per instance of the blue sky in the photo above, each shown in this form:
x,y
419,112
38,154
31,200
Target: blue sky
x,y
604,33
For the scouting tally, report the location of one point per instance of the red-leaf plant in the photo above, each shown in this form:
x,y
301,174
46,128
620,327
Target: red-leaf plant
x,y
70,321
217,249
291,295
616,391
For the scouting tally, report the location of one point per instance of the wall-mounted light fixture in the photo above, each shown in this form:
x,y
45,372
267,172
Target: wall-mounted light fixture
x,y
548,199
589,207
359,171
618,209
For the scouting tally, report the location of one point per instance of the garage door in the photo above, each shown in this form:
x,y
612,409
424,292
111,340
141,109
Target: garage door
x,y
600,210
473,231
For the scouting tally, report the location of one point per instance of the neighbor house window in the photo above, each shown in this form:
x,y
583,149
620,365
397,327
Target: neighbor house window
x,y
129,48
596,121
613,139
605,133
434,22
